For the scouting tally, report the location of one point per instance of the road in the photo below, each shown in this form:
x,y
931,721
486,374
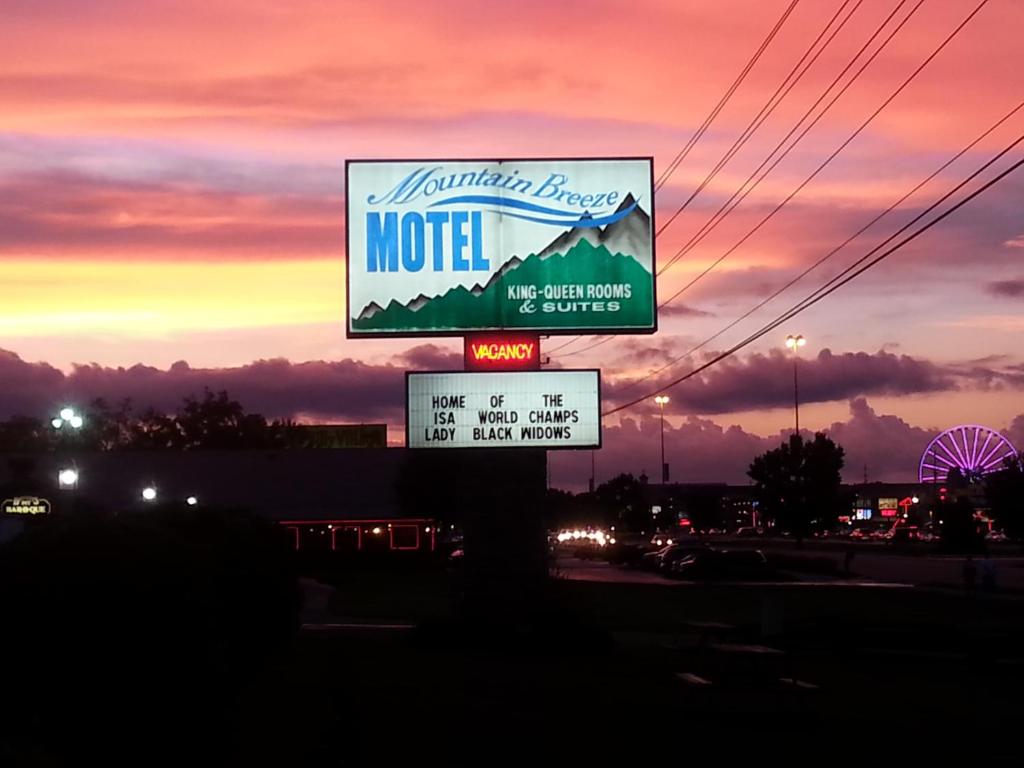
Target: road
x,y
869,569
598,570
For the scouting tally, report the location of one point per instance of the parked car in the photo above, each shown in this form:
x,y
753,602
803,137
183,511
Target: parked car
x,y
718,564
677,552
661,559
626,554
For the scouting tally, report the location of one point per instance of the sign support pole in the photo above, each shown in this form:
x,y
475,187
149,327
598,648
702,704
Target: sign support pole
x,y
502,499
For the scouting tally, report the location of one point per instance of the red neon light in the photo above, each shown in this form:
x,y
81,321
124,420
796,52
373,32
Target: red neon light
x,y
888,513
504,352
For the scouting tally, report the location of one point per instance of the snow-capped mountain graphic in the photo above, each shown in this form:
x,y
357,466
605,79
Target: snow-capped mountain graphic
x,y
417,303
370,310
630,234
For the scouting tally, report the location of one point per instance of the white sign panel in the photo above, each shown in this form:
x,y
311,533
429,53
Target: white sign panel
x,y
521,409
440,247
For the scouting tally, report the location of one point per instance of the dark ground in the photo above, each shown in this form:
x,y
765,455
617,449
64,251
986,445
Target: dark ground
x,y
608,672
618,671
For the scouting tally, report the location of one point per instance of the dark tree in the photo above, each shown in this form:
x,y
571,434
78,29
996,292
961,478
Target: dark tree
x,y
958,527
153,431
21,434
107,428
798,484
957,481
622,499
1004,491
218,422
560,508
704,509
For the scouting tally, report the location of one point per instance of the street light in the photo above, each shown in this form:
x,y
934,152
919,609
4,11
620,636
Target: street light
x,y
67,478
67,417
191,501
662,400
149,493
794,343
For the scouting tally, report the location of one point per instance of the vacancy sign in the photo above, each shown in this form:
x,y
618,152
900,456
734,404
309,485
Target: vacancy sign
x,y
502,352
528,409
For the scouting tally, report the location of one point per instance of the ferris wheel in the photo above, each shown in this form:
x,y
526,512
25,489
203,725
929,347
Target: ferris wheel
x,y
973,450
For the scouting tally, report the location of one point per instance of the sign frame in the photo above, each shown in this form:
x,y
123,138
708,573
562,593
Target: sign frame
x,y
600,429
611,330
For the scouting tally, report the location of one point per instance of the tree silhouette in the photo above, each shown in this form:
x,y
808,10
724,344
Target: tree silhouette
x,y
218,422
622,499
1004,491
798,484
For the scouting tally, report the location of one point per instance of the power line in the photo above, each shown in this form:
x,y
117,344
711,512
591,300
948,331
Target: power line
x,y
842,146
681,155
720,216
699,133
766,110
842,245
741,193
850,273
821,294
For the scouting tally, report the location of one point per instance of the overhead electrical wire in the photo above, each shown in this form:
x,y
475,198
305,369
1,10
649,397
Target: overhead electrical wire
x,y
834,285
838,248
719,215
787,84
725,209
681,155
839,149
699,133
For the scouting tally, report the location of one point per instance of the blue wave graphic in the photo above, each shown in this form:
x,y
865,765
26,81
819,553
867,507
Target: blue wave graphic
x,y
505,202
579,222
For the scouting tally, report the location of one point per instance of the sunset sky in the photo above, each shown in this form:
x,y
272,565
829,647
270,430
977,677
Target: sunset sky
x,y
172,210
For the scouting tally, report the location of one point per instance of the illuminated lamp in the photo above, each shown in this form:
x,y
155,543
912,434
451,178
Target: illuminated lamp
x,y
67,478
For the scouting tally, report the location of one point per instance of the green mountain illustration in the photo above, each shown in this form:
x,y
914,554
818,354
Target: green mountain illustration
x,y
615,293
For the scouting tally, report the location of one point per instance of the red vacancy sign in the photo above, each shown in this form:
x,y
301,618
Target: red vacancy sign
x,y
502,352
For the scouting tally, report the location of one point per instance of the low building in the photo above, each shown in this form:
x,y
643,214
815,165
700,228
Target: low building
x,y
337,499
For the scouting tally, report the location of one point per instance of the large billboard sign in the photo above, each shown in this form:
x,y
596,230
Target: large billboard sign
x,y
521,409
438,247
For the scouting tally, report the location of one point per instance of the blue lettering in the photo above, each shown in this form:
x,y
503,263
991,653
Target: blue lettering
x,y
480,264
459,240
413,250
437,220
381,243
407,189
552,184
